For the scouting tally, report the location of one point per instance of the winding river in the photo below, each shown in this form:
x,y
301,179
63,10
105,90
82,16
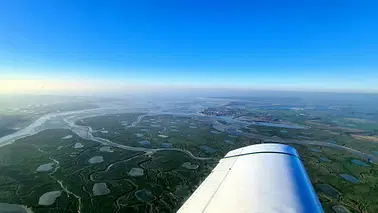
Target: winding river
x,y
85,132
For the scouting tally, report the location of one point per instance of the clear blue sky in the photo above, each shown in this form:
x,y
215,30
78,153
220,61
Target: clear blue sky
x,y
316,45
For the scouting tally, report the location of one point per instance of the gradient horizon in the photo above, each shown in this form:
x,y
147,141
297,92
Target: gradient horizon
x,y
114,46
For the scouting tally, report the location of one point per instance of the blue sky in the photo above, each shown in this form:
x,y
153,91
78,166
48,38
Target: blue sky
x,y
293,45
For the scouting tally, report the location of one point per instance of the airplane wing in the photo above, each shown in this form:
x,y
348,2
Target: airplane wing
x,y
263,178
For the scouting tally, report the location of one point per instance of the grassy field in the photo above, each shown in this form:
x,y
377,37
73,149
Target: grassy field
x,y
180,132
357,197
166,179
324,165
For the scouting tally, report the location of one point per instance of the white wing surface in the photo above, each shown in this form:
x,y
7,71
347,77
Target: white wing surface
x,y
263,178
